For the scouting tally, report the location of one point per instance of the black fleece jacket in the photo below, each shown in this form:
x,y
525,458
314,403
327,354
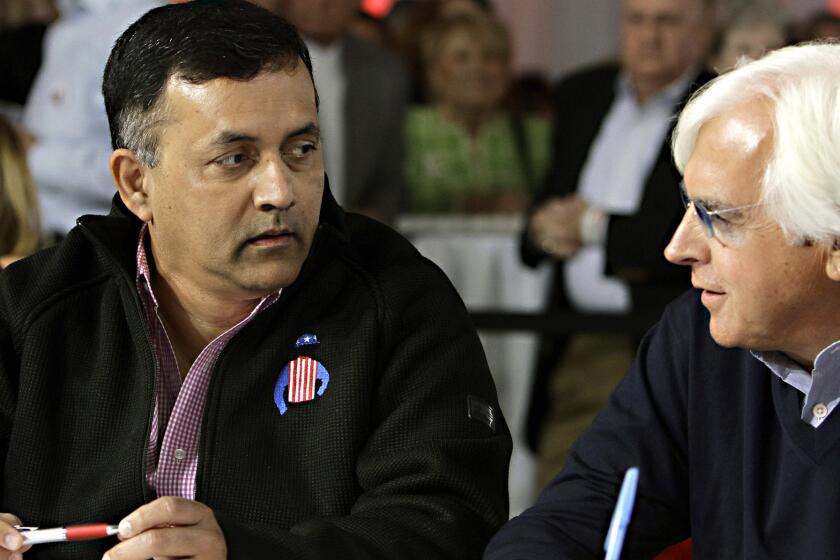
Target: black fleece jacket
x,y
398,459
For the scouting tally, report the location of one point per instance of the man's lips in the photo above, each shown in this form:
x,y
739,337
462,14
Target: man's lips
x,y
710,298
706,285
272,237
709,290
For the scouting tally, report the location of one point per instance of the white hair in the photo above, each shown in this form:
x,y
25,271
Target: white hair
x,y
801,183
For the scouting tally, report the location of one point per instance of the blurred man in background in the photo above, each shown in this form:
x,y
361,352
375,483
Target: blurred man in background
x,y
364,91
610,203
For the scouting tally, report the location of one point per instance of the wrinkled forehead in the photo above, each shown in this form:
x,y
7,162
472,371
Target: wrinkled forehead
x,y
292,87
266,106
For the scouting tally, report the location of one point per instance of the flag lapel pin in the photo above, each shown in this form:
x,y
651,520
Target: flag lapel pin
x,y
301,380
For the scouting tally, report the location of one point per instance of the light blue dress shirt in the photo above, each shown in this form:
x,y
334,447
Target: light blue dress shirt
x,y
821,386
613,180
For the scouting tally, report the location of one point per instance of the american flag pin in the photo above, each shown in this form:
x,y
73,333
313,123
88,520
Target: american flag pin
x,y
301,380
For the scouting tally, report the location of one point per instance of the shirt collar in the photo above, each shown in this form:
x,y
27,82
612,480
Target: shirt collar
x,y
144,276
828,360
672,94
785,369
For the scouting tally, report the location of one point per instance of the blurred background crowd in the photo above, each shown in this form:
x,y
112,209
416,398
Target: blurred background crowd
x,y
521,145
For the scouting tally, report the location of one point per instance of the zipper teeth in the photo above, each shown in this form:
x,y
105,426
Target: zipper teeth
x,y
151,409
150,354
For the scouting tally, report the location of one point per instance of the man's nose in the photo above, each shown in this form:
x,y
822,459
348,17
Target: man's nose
x,y
650,31
273,189
689,244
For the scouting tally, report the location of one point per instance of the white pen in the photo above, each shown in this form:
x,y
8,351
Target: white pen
x,y
622,514
34,535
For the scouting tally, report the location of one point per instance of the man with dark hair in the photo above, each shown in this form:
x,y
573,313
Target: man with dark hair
x,y
228,365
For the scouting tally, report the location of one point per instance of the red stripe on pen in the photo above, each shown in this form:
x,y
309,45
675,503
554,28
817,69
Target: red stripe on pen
x,y
87,532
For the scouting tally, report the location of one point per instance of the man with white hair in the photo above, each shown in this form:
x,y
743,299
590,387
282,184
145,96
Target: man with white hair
x,y
729,409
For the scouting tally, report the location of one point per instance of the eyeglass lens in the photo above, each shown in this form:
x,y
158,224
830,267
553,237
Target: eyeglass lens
x,y
699,210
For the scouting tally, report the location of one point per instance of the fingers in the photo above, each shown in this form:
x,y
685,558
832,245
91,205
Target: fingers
x,y
11,542
10,538
547,223
559,239
558,215
170,542
559,249
555,226
163,512
169,528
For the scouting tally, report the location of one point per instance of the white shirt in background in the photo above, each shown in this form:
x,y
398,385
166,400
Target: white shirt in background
x,y
66,113
331,83
613,181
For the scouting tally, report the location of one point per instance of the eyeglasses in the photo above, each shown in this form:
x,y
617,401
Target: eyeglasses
x,y
715,222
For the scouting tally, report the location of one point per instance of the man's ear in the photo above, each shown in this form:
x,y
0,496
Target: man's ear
x,y
832,263
131,177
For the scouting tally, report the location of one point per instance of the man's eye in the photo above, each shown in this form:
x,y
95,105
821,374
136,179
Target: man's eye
x,y
669,20
721,224
231,160
300,151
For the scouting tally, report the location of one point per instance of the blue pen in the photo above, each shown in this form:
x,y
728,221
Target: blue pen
x,y
622,514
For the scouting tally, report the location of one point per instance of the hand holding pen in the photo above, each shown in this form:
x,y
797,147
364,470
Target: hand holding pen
x,y
167,527
170,528
12,546
86,532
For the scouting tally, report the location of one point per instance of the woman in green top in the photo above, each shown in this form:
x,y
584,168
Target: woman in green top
x,y
465,153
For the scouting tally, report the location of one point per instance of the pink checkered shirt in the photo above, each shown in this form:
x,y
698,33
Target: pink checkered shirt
x,y
172,454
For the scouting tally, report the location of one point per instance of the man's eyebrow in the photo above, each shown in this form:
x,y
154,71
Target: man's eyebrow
x,y
712,204
309,128
716,206
230,136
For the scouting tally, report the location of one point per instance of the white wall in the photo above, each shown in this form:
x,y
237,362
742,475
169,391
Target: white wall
x,y
804,8
555,36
